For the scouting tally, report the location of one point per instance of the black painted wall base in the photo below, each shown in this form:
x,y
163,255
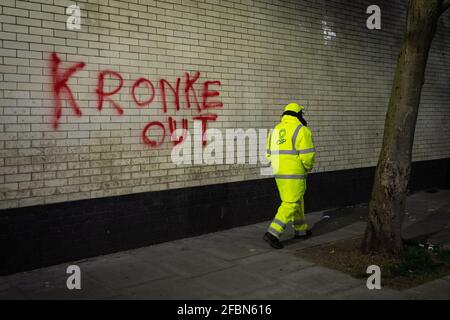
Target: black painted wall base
x,y
38,236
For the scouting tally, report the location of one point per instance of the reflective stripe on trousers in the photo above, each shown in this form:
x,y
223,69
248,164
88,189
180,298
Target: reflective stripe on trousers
x,y
288,212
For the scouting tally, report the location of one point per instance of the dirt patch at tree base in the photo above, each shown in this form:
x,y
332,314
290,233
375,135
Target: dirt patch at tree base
x,y
416,266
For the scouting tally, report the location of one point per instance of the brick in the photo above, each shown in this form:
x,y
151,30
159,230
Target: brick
x,y
15,28
29,22
18,177
15,12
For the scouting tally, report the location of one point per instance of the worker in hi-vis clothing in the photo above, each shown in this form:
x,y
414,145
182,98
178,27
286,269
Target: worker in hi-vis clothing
x,y
291,152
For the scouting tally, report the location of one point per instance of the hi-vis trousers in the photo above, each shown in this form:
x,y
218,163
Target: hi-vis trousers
x,y
291,188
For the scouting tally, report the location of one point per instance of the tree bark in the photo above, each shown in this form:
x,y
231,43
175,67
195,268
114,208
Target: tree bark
x,y
386,207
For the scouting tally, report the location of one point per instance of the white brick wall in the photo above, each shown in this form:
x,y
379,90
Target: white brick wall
x,y
266,53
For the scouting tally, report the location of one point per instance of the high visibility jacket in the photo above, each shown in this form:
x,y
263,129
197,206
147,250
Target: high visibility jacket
x,y
290,149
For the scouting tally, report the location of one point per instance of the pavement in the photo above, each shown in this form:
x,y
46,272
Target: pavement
x,y
237,264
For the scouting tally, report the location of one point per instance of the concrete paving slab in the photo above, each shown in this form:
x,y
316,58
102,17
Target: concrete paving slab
x,y
4,284
158,250
336,219
249,239
441,238
273,264
50,283
421,204
357,228
436,290
331,237
362,293
224,249
314,216
12,293
280,291
234,282
262,225
38,279
293,245
190,263
90,289
171,289
123,270
321,280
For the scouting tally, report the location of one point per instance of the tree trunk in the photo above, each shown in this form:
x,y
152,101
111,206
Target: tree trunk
x,y
386,207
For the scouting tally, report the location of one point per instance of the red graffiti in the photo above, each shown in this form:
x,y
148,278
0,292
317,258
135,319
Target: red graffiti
x,y
60,79
59,82
204,119
103,95
173,127
149,85
190,89
209,94
162,84
147,140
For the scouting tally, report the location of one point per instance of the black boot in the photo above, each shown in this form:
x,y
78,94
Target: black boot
x,y
307,235
273,241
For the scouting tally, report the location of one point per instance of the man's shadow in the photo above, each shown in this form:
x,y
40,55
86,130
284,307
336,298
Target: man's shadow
x,y
333,220
432,229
